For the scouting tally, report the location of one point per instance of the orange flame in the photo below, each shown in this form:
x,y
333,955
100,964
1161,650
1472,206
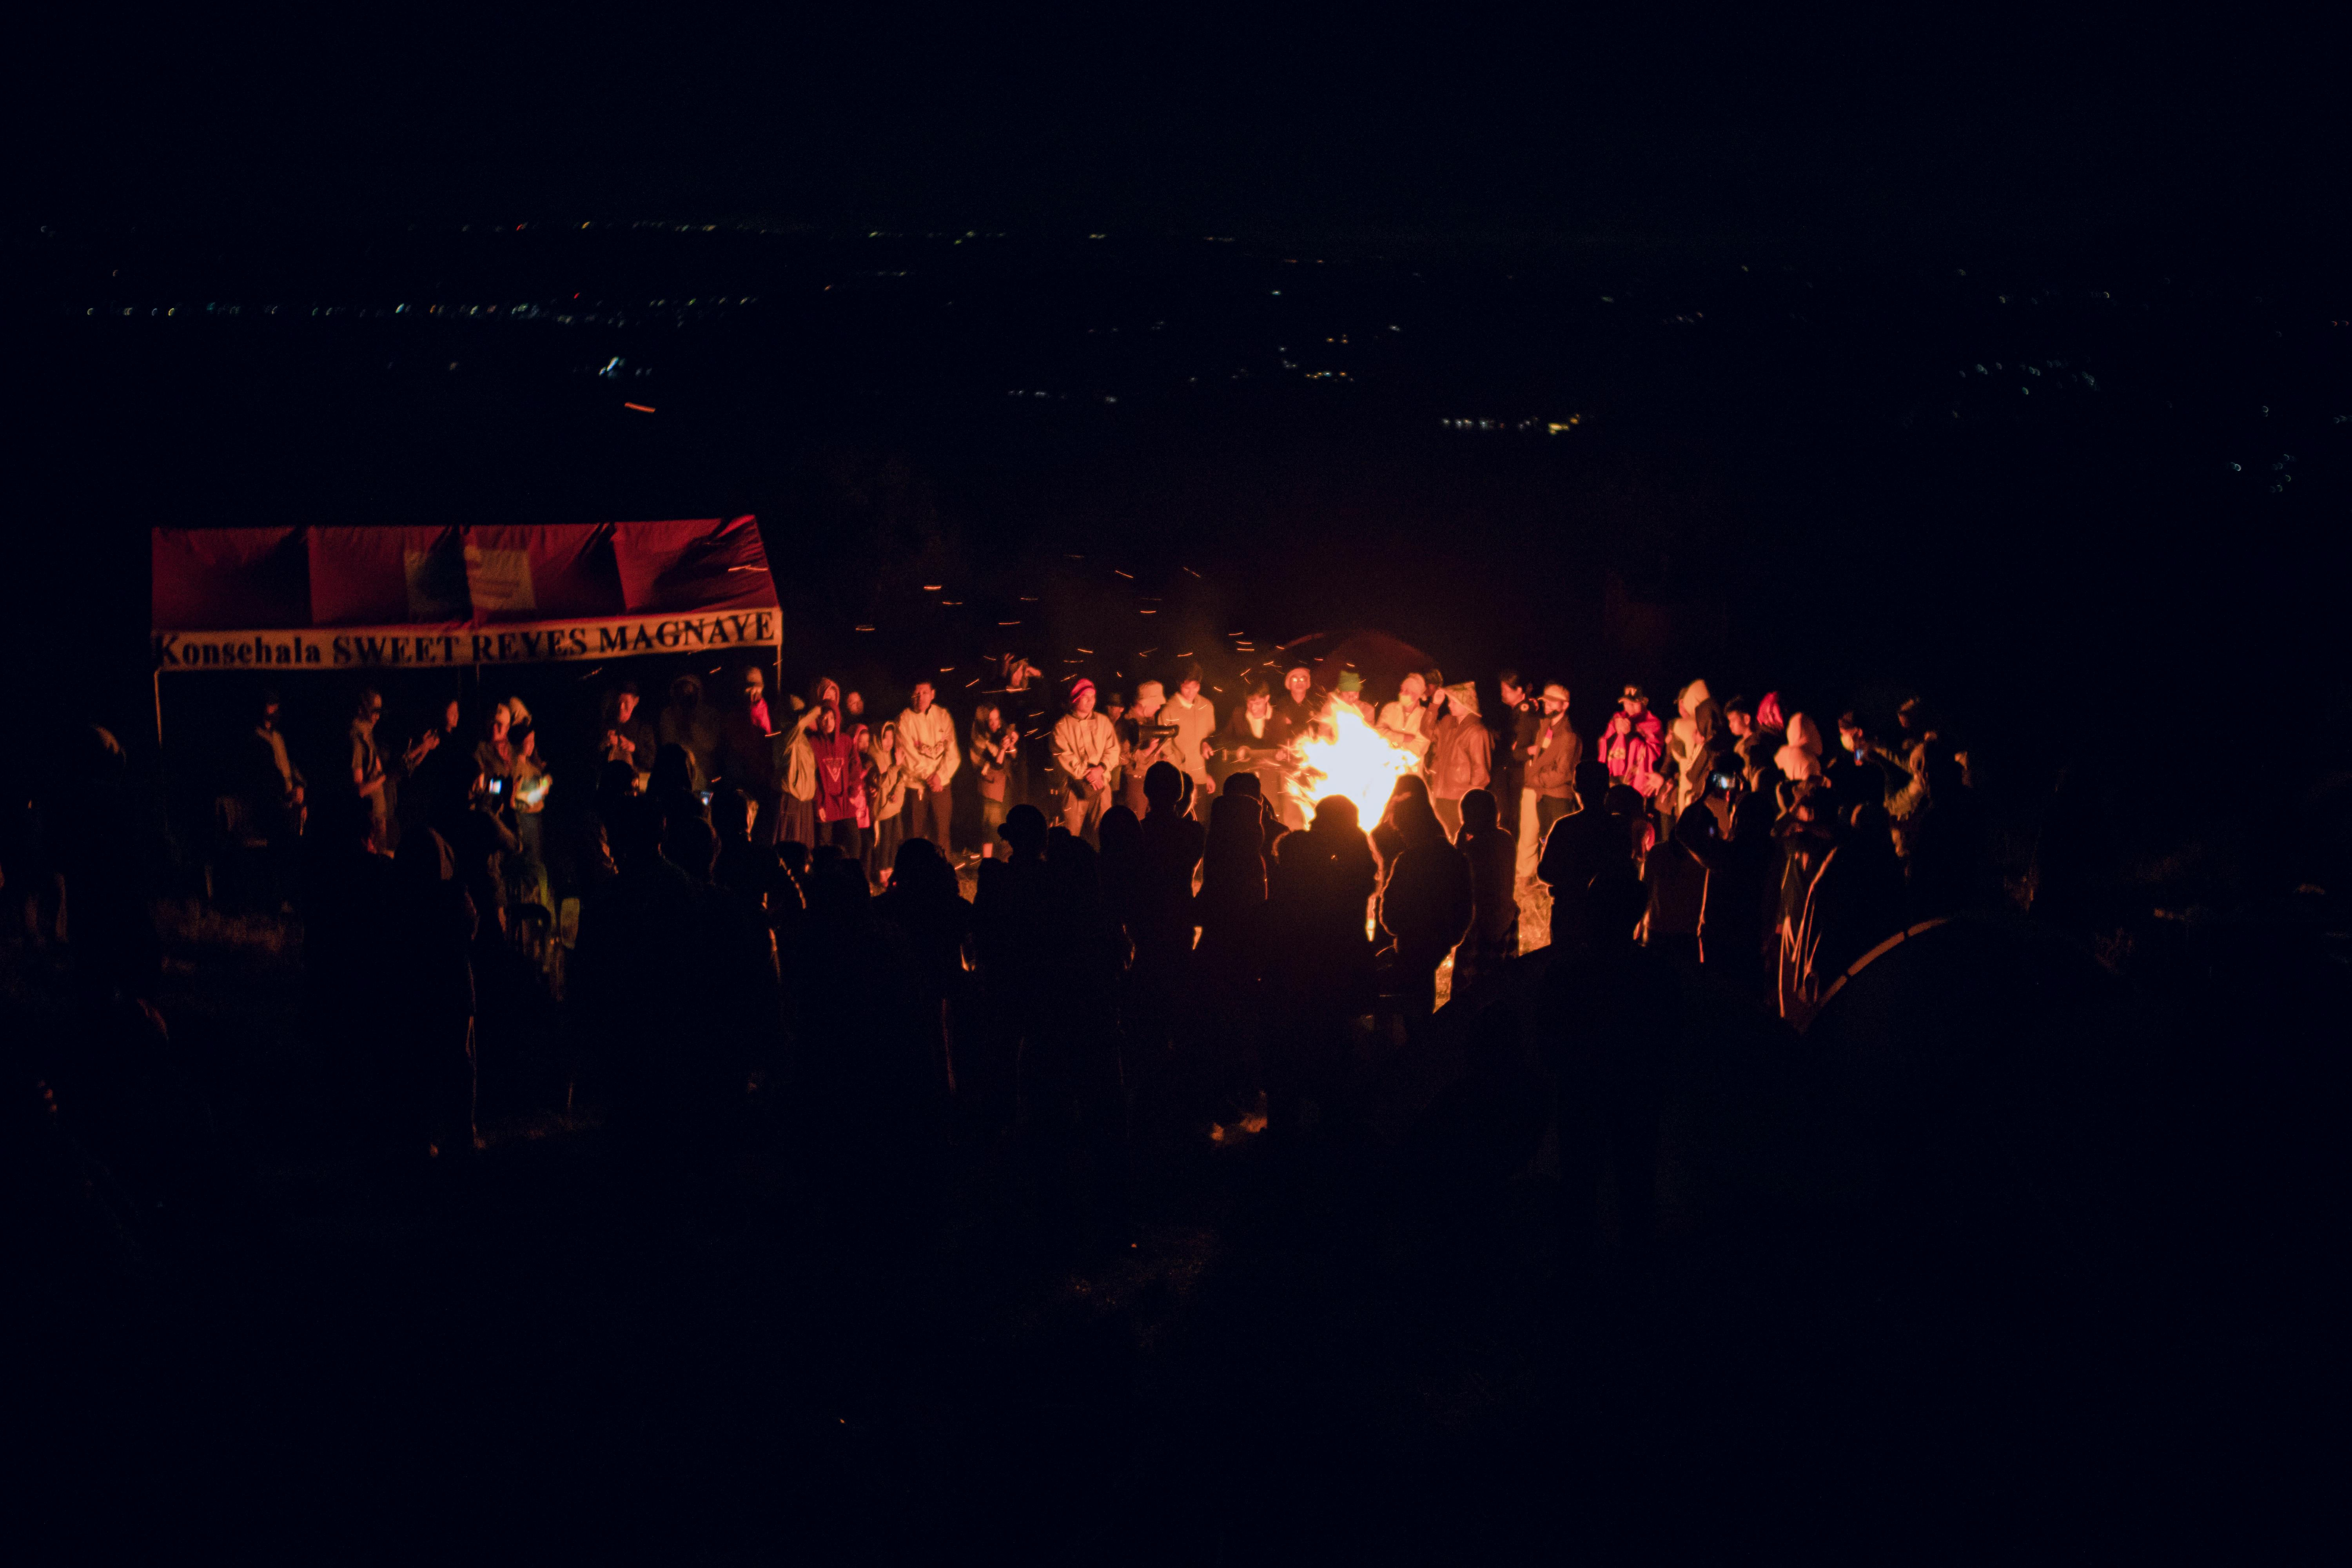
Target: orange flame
x,y
1345,755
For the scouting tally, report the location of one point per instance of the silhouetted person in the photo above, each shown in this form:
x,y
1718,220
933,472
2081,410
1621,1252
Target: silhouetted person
x,y
1605,998
430,1074
638,936
1948,864
351,903
1492,854
1855,902
1319,963
1425,903
1735,913
1073,1098
104,852
1387,838
1010,932
1172,846
1580,848
929,911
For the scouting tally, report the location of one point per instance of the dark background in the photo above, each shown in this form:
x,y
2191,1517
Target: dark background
x,y
1993,358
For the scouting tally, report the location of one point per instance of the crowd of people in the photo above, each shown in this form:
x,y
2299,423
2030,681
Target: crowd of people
x,y
1155,908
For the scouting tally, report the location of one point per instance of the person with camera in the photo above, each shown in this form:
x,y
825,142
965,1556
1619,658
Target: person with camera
x,y
1086,748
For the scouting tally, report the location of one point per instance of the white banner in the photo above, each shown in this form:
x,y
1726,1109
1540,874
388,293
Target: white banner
x,y
405,648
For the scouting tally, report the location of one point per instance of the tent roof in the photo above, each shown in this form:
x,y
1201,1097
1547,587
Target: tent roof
x,y
268,579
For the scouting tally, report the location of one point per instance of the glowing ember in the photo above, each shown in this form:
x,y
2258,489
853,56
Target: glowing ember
x,y
1345,755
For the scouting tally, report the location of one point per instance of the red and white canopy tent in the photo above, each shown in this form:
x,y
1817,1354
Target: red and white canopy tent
x,y
358,599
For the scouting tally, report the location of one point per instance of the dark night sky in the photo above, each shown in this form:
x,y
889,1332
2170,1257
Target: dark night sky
x,y
1671,144
1573,127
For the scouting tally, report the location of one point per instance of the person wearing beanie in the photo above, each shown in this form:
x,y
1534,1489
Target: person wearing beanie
x,y
1405,723
1086,749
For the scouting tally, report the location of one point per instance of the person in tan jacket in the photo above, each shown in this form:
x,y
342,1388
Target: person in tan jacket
x,y
1086,748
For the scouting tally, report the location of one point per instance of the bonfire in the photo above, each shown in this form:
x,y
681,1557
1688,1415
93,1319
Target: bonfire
x,y
1343,755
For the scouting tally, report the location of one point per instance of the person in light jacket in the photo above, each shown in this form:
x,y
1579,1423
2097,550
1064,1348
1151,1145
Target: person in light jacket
x,y
1086,748
929,755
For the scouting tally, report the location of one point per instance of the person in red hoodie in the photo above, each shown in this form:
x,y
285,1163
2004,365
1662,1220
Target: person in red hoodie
x,y
841,810
1633,741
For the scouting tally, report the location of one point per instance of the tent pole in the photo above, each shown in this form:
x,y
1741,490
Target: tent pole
x,y
157,677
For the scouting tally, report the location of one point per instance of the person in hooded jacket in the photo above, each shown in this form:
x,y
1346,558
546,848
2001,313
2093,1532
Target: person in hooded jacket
x,y
1693,740
1461,753
842,813
1800,755
1426,899
1633,742
887,789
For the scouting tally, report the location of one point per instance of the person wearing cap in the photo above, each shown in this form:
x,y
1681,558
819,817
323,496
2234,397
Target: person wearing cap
x,y
1405,723
1552,757
1633,741
929,756
1194,718
1086,748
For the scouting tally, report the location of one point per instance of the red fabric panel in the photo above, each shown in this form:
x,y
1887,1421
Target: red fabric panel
x,y
386,577
699,564
224,579
560,573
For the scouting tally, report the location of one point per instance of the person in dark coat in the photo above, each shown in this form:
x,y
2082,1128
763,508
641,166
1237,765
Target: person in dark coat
x,y
1319,963
1947,864
1580,848
929,912
1855,902
1172,846
432,1074
1425,903
1736,909
1605,998
1492,854
1387,838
